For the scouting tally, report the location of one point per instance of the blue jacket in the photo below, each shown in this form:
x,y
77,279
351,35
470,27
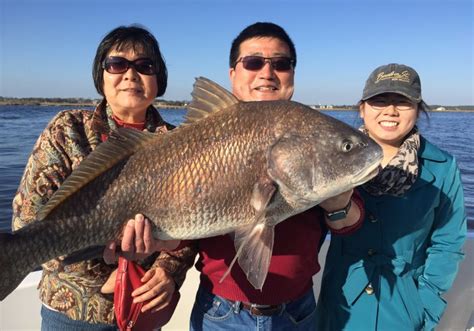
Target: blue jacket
x,y
390,274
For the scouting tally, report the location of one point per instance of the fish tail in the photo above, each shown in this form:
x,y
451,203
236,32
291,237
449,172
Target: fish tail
x,y
12,273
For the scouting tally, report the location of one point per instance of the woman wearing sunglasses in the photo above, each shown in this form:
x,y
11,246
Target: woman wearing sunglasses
x,y
129,72
391,273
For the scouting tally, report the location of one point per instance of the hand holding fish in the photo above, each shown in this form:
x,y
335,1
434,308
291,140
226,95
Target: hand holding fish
x,y
340,202
137,242
337,202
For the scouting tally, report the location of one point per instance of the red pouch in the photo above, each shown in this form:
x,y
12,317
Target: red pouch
x,y
127,313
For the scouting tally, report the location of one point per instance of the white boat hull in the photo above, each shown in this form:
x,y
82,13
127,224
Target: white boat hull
x,y
21,310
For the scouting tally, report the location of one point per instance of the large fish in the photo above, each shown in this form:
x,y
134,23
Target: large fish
x,y
232,167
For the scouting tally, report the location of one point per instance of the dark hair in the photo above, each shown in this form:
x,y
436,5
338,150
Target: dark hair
x,y
260,30
130,37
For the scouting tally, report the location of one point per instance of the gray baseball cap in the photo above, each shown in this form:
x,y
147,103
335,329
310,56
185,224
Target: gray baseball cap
x,y
393,78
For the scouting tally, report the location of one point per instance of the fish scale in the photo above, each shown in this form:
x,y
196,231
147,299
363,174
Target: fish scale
x,y
232,167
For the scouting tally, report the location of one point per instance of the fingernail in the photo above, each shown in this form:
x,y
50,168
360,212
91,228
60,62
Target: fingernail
x,y
140,217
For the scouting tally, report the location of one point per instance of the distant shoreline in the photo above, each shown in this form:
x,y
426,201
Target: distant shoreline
x,y
63,104
71,102
163,104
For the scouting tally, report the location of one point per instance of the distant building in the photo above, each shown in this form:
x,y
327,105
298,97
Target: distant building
x,y
440,109
326,107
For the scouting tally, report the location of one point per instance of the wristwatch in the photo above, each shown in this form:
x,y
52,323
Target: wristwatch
x,y
339,214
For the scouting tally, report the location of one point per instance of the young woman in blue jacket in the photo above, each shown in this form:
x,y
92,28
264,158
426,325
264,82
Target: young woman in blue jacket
x,y
391,273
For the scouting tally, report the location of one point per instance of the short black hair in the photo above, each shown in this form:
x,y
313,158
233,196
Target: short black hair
x,y
130,37
260,30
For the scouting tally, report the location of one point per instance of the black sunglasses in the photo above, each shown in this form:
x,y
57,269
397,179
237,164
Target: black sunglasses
x,y
255,62
119,65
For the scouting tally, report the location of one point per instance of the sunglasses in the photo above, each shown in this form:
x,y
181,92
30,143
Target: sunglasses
x,y
379,104
254,62
119,65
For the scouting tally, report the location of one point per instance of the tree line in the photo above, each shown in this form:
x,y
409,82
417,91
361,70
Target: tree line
x,y
75,101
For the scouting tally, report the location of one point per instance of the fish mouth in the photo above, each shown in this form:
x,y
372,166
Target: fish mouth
x,y
367,174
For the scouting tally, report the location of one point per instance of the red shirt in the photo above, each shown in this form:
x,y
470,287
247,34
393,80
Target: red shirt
x,y
293,264
122,124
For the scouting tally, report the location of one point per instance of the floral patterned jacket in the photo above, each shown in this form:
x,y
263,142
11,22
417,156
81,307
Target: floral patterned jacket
x,y
70,136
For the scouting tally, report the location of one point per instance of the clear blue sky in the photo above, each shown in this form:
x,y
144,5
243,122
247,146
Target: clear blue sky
x,y
47,46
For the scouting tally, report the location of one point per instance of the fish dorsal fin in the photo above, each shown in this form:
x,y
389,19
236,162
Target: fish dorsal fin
x,y
208,98
121,144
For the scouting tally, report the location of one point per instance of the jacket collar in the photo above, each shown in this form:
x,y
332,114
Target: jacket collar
x,y
430,152
154,121
426,152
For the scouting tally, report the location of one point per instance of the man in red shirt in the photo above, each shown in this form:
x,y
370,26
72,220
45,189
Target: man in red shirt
x,y
262,67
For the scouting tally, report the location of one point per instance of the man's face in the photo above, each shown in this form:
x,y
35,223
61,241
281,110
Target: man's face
x,y
265,83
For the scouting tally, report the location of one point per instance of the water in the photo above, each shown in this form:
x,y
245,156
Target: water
x,y
20,126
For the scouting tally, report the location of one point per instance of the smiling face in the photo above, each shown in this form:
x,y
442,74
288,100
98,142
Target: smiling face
x,y
266,83
389,117
129,94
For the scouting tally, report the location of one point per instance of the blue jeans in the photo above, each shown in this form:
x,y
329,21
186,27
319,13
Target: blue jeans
x,y
214,313
55,321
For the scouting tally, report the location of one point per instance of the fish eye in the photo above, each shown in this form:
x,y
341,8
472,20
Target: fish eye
x,y
347,146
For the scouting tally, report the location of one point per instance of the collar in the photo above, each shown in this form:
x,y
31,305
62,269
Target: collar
x,y
153,122
430,152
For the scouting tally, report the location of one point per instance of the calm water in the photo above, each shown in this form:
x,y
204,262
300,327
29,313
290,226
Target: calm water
x,y
20,126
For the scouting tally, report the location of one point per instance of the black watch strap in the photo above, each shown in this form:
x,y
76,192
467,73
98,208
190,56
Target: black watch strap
x,y
339,214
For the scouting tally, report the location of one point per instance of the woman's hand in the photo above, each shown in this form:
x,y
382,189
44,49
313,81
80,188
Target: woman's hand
x,y
109,284
137,241
158,288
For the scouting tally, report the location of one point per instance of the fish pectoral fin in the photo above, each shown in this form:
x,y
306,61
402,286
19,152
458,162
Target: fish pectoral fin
x,y
254,243
262,193
255,246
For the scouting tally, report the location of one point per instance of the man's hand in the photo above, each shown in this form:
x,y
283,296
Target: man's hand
x,y
338,202
137,241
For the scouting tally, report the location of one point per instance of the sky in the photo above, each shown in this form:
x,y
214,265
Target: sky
x,y
47,46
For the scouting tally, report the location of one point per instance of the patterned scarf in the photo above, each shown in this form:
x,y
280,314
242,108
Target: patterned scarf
x,y
152,119
401,172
